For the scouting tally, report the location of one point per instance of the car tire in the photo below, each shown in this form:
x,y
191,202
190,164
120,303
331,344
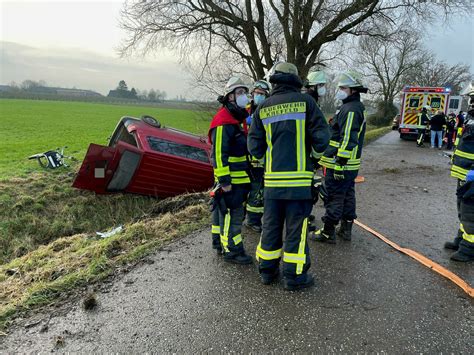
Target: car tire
x,y
152,121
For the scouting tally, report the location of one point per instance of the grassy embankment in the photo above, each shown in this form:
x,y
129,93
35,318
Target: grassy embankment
x,y
48,244
47,229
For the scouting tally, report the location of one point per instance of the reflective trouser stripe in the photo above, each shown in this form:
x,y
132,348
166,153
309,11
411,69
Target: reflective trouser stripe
x,y
253,209
267,254
215,229
225,236
457,171
300,258
467,237
334,144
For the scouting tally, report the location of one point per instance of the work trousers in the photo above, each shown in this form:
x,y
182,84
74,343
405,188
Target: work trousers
x,y
436,137
466,226
215,228
449,141
255,200
421,137
340,202
230,221
295,252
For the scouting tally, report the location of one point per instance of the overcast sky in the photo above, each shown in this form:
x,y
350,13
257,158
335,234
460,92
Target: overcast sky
x,y
73,43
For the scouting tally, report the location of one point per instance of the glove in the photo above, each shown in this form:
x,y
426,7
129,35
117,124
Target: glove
x,y
338,172
341,161
470,176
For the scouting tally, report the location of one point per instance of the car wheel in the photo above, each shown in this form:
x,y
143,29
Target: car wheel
x,y
152,121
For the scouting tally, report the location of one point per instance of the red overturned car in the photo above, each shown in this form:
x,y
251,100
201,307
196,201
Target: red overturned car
x,y
144,158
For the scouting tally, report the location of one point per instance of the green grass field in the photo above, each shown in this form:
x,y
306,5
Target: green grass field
x,y
30,126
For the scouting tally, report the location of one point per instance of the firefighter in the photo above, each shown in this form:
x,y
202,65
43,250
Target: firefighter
x,y
260,91
342,160
229,160
316,85
450,129
463,169
423,120
287,128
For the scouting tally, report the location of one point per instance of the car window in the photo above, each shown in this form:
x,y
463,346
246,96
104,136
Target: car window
x,y
180,150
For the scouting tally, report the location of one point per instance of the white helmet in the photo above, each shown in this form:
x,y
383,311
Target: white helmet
x,y
234,83
351,79
263,85
316,77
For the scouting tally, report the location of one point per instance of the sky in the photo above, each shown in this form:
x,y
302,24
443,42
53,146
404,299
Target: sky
x,y
73,43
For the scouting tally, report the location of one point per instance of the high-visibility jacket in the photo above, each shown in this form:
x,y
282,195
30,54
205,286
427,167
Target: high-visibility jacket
x,y
463,157
423,120
287,128
347,137
229,149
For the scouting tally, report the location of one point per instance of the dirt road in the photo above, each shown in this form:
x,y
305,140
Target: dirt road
x,y
368,298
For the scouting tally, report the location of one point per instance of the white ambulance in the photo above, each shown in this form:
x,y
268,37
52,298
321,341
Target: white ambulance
x,y
414,98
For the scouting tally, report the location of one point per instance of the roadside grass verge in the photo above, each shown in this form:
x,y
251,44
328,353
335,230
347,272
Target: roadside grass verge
x,y
43,207
374,133
50,271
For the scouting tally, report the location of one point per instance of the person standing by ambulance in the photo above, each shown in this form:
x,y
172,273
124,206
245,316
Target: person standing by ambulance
x,y
255,203
423,120
287,128
342,160
229,160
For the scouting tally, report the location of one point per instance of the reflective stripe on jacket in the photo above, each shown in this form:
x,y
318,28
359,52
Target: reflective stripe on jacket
x,y
463,158
347,136
229,154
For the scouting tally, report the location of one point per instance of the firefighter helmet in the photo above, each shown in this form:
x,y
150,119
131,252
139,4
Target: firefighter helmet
x,y
262,85
234,83
351,79
315,78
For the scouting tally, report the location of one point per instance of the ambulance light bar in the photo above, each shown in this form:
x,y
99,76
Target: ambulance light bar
x,y
426,89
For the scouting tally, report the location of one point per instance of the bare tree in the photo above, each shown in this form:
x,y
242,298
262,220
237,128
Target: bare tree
x,y
385,63
433,72
248,36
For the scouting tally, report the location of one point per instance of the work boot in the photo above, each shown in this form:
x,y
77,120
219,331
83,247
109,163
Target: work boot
x,y
460,256
324,235
311,223
345,230
298,283
454,245
238,258
217,247
269,277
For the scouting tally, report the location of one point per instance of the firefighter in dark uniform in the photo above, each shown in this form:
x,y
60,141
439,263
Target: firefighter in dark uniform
x,y
423,119
463,169
342,160
287,128
260,91
316,85
229,160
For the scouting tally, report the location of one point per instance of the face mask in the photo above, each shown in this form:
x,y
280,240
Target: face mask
x,y
242,101
341,95
322,91
258,99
